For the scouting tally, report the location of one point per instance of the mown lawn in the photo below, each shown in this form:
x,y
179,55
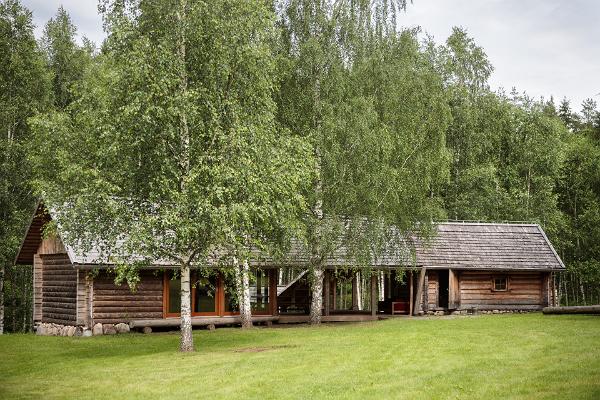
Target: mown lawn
x,y
496,356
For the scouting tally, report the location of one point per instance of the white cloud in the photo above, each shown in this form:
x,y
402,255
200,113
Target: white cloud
x,y
543,47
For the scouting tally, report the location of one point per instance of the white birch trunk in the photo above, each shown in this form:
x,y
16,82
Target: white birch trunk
x,y
245,307
381,284
316,303
187,340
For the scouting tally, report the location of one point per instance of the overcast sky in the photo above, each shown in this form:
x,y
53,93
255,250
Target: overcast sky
x,y
543,47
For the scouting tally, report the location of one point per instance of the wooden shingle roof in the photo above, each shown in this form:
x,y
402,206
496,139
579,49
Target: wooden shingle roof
x,y
488,246
457,245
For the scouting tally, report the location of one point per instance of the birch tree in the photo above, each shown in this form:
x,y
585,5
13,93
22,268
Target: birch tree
x,y
373,109
24,90
172,152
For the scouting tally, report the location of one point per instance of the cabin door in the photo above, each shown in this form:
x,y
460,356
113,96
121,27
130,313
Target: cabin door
x,y
443,289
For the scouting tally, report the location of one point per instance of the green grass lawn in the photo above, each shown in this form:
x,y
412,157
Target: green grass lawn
x,y
497,356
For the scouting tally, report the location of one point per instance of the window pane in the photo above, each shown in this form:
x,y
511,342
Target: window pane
x,y
175,295
259,290
205,295
343,289
500,284
231,303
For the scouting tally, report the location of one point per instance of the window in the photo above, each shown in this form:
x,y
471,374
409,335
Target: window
x,y
259,291
203,296
205,290
500,284
174,306
215,294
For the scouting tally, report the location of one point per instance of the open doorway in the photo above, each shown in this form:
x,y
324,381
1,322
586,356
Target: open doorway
x,y
443,289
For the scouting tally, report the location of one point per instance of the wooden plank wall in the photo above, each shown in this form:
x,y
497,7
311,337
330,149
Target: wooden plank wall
x,y
37,288
59,292
525,291
83,298
432,289
113,304
453,289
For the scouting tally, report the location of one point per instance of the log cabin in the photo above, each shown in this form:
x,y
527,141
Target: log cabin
x,y
464,267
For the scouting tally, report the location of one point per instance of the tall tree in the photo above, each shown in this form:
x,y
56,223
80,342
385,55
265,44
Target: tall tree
x,y
23,93
363,96
172,151
66,59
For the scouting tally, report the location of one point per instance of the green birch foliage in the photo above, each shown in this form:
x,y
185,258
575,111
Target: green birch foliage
x,y
375,113
506,151
24,91
123,166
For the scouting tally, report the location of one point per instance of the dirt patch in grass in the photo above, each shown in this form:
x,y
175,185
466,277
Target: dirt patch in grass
x,y
261,349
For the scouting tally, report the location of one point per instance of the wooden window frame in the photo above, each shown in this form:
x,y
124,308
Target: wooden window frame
x,y
167,314
505,277
220,298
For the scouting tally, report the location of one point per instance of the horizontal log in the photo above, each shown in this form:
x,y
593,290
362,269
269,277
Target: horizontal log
x,y
111,294
128,309
499,302
529,307
127,315
199,321
139,288
572,310
58,316
104,301
58,299
128,297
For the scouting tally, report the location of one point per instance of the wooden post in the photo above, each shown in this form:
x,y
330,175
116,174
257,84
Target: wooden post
x,y
419,297
426,294
410,300
373,295
355,291
89,281
327,288
453,290
334,282
273,278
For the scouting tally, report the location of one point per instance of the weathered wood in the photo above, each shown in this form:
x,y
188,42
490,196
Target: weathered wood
x,y
355,291
373,295
524,289
200,321
297,319
411,282
37,288
572,310
419,298
432,285
59,289
327,289
117,303
273,277
453,290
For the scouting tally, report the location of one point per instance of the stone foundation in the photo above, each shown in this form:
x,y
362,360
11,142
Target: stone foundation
x,y
50,329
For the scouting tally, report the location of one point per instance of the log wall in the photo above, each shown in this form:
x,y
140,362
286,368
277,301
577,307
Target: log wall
x,y
59,291
524,291
113,304
84,292
432,289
